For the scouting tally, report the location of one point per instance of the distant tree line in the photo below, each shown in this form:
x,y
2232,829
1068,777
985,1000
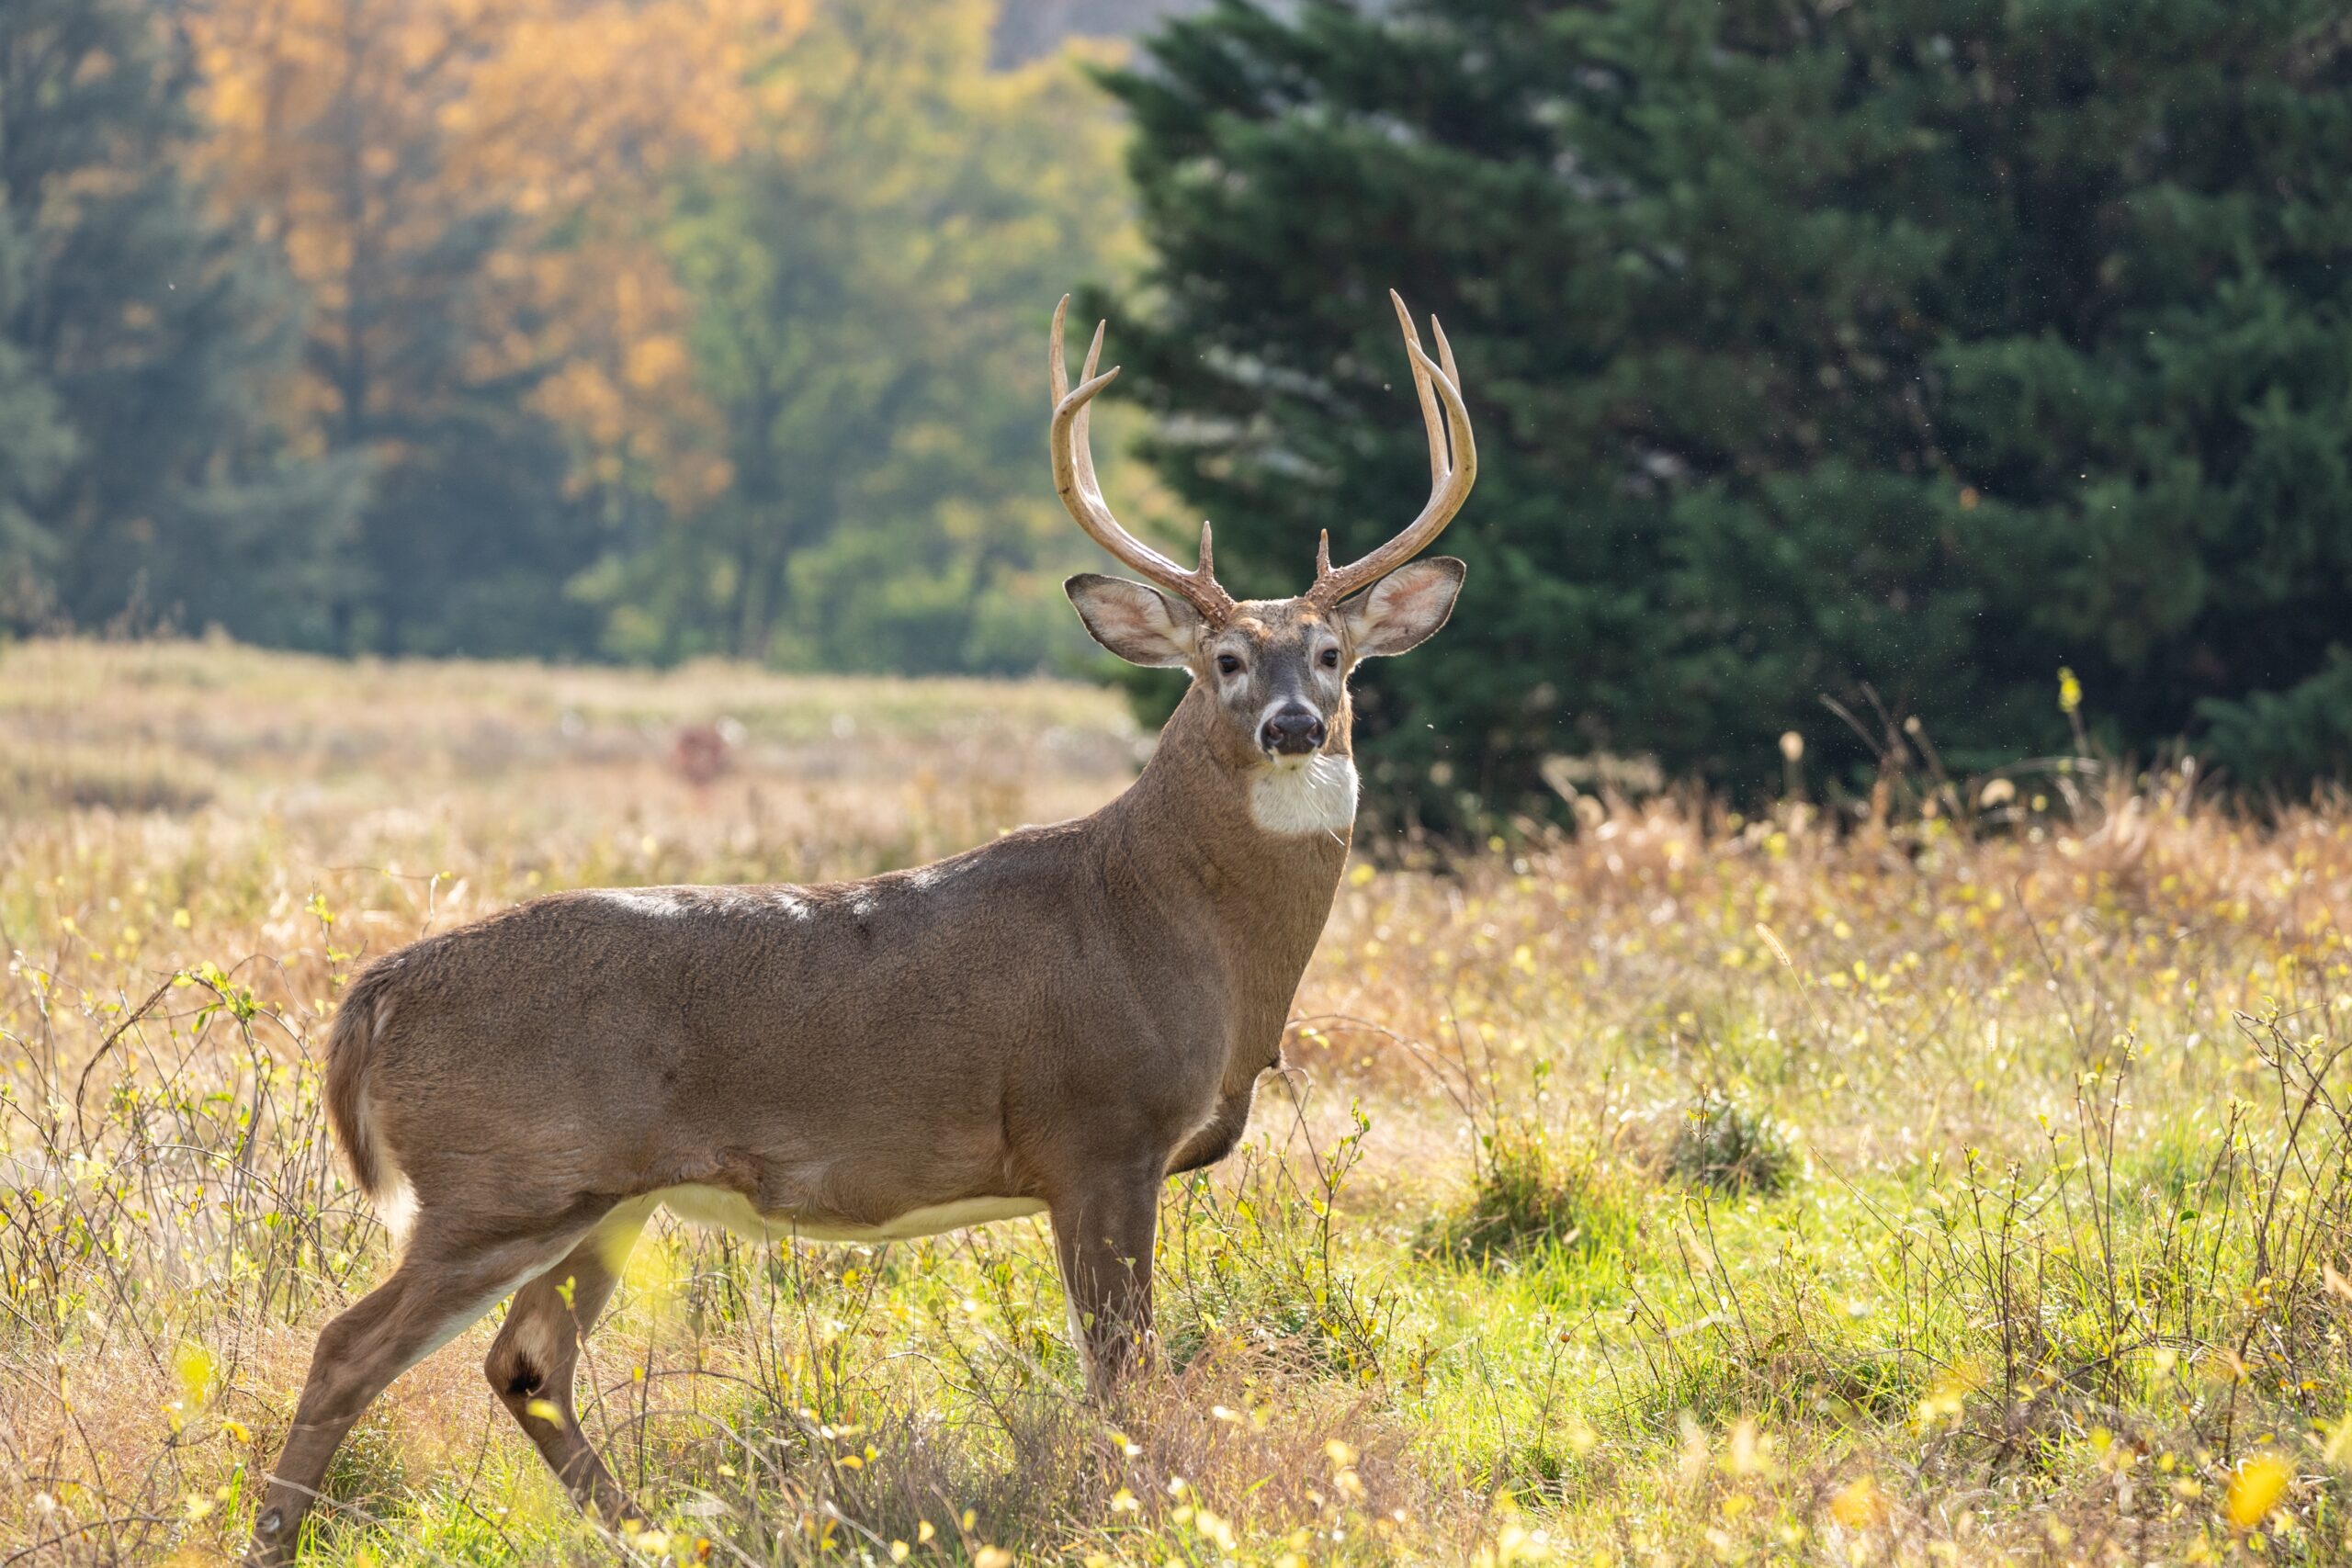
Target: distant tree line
x,y
1893,355
1871,361
634,329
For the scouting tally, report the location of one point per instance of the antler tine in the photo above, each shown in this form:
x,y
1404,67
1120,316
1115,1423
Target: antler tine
x,y
1445,363
1074,460
1431,417
1080,440
1057,364
1453,468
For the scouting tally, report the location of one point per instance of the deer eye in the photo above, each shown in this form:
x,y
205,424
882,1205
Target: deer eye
x,y
1227,665
1330,659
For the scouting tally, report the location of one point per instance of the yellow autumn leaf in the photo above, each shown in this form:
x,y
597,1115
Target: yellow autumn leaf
x,y
2255,1489
2337,1449
198,1373
1859,1505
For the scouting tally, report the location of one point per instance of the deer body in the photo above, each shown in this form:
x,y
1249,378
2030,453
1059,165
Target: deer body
x,y
786,1060
1055,1022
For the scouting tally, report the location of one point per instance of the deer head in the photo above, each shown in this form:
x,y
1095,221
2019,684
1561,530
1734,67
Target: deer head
x,y
1277,669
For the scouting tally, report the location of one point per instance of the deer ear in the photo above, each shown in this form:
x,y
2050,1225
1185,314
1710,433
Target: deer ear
x,y
1405,608
1140,624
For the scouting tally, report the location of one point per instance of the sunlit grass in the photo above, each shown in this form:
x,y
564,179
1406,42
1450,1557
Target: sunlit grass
x,y
2050,1268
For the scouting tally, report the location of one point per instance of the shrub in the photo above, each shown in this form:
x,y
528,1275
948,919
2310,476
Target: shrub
x,y
1526,1198
1726,1147
1247,1259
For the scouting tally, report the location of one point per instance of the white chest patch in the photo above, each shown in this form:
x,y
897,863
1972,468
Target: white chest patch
x,y
732,1211
1317,798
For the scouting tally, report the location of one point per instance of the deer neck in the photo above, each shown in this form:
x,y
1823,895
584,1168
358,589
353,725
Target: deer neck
x,y
1193,826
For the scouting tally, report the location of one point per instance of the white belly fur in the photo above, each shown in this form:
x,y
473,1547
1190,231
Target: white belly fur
x,y
732,1211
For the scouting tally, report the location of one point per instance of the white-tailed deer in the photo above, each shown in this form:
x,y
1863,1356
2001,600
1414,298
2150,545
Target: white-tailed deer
x,y
1057,1022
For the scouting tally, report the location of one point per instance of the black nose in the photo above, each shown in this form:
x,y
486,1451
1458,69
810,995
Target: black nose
x,y
1293,730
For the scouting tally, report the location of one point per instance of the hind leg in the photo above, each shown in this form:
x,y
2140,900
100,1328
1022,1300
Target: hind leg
x,y
436,1292
530,1366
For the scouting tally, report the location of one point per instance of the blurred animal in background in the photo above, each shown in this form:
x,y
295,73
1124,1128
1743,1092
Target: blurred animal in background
x,y
703,752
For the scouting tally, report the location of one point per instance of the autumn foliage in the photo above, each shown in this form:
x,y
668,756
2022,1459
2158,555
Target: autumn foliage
x,y
635,328
490,173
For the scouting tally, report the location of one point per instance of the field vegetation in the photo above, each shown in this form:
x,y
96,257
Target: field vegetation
x,y
1959,1176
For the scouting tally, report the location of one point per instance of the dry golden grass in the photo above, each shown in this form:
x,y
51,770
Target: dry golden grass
x,y
2044,1262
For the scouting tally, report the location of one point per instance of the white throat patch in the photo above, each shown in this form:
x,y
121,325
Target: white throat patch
x,y
1317,798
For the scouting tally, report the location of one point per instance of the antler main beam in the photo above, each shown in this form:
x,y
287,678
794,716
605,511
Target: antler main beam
x,y
1073,457
1454,467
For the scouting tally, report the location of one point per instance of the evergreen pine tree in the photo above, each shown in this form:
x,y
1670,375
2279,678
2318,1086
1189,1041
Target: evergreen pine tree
x,y
139,335
1895,355
33,446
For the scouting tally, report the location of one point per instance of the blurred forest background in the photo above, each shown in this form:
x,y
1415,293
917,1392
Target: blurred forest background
x,y
1846,369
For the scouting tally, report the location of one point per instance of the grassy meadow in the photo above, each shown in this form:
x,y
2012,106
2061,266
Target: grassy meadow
x,y
1965,1182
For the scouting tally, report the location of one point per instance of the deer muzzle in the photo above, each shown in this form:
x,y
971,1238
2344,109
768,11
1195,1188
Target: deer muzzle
x,y
1294,730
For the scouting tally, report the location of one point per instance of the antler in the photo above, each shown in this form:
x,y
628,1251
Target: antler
x,y
1074,479
1450,481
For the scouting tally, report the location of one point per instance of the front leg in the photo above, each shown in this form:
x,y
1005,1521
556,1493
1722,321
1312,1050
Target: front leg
x,y
1103,1235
